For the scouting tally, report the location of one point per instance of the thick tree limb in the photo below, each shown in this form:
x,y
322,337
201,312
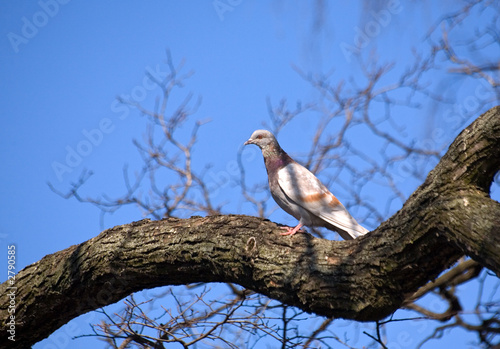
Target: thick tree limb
x,y
364,279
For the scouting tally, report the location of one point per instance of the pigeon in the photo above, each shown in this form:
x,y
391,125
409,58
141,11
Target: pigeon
x,y
297,191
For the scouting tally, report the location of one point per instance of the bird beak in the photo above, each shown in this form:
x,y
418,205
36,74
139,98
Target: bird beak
x,y
248,142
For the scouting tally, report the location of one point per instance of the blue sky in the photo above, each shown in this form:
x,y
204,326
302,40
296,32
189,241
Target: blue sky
x,y
63,64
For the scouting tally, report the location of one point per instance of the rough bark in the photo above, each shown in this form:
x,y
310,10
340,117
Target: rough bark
x,y
364,279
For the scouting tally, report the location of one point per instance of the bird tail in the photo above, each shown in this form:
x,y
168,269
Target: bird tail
x,y
349,232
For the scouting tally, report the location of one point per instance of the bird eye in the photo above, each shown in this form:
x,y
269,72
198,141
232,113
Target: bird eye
x,y
259,137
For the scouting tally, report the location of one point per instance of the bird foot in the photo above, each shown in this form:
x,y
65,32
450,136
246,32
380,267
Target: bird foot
x,y
291,231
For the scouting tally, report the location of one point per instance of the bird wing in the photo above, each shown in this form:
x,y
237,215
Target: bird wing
x,y
305,190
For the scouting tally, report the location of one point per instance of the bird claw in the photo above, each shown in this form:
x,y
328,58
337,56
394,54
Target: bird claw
x,y
292,231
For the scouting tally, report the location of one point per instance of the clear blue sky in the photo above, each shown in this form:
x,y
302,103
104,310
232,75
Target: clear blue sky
x,y
63,63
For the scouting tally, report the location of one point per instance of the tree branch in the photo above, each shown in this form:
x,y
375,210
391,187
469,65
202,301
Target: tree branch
x,y
364,279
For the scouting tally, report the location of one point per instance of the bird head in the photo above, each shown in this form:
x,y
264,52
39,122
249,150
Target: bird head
x,y
261,138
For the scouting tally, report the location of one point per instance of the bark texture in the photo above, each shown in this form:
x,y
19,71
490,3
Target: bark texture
x,y
365,279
